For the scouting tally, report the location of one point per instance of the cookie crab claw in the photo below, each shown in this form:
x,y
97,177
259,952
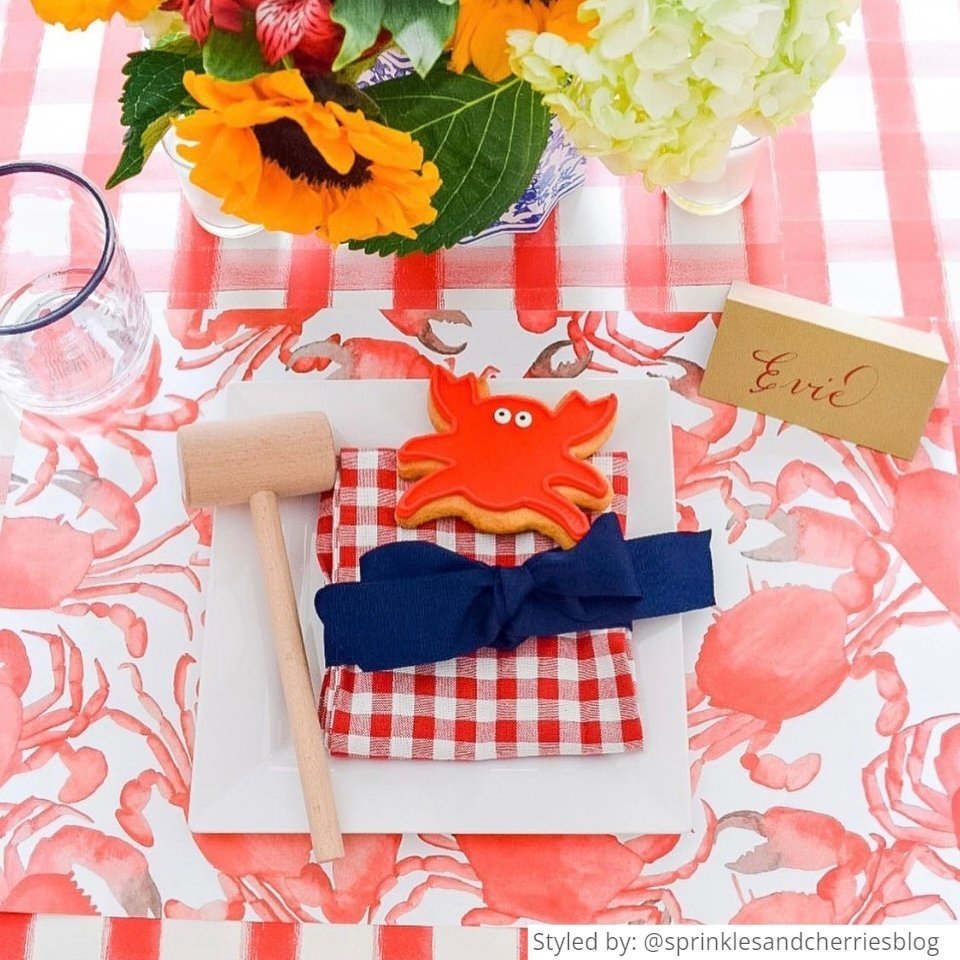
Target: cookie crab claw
x,y
544,367
417,323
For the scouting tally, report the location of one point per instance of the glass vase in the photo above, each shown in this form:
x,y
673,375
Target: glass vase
x,y
204,206
724,186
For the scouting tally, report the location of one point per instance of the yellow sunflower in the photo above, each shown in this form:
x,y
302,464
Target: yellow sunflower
x,y
79,14
480,36
277,156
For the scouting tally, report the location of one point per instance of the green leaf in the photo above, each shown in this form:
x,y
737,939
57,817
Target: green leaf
x,y
152,95
154,84
361,21
486,138
153,133
420,28
138,144
421,31
234,56
131,160
178,43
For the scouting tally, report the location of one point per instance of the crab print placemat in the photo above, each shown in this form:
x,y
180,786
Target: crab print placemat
x,y
835,612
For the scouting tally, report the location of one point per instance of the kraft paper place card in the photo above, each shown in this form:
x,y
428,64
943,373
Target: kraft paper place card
x,y
849,376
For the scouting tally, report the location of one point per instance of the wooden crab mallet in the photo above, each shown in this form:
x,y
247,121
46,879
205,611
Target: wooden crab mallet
x,y
258,461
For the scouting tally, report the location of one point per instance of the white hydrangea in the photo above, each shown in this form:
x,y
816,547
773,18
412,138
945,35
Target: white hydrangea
x,y
664,84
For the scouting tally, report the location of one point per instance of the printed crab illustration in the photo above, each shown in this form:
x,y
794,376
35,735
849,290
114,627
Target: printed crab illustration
x,y
913,790
506,463
858,882
41,854
555,878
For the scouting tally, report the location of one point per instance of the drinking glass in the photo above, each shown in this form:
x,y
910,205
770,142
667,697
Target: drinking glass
x,y
725,186
74,327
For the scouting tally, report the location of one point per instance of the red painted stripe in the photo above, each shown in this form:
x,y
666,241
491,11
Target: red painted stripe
x,y
132,939
404,943
801,224
523,949
19,52
190,271
18,67
536,267
194,271
951,340
475,266
596,174
705,263
760,227
105,135
904,163
270,941
645,247
359,271
311,274
417,281
848,151
250,268
16,931
593,266
859,241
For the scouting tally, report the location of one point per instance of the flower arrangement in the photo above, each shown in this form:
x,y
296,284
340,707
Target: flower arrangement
x,y
269,98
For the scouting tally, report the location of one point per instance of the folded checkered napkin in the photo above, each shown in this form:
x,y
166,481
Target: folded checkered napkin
x,y
574,694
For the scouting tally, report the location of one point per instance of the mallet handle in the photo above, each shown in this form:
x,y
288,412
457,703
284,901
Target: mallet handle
x,y
295,677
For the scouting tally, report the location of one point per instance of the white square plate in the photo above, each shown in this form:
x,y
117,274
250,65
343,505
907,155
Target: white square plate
x,y
244,778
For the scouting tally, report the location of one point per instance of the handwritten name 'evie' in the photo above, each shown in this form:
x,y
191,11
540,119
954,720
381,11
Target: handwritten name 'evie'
x,y
853,377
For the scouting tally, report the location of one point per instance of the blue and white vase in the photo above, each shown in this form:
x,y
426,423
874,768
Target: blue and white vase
x,y
561,168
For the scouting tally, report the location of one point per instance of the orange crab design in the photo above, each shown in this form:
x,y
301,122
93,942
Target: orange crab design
x,y
506,463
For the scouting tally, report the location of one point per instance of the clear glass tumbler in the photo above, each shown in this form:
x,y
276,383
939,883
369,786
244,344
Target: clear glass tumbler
x,y
725,186
74,327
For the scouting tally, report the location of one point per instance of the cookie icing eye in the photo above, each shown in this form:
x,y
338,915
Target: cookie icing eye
x,y
501,415
523,418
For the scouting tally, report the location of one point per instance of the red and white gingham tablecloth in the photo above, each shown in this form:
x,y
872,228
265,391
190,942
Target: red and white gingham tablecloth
x,y
858,205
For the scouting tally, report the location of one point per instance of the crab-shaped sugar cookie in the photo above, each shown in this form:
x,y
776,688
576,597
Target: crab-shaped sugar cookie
x,y
506,463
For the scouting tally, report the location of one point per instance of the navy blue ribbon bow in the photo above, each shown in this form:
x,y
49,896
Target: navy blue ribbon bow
x,y
419,603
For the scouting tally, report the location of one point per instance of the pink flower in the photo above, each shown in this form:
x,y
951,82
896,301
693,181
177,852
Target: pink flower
x,y
299,27
198,15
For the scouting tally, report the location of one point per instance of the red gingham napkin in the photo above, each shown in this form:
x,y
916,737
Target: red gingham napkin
x,y
574,694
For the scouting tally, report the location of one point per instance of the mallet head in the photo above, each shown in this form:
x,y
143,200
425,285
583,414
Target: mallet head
x,y
228,462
